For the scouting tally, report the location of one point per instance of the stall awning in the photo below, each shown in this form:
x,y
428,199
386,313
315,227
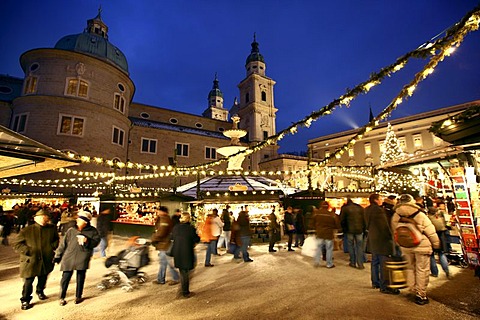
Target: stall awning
x,y
20,155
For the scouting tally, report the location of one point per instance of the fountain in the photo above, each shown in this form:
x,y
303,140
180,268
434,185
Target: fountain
x,y
234,163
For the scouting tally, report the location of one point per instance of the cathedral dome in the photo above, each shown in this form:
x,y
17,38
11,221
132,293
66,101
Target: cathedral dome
x,y
94,42
255,54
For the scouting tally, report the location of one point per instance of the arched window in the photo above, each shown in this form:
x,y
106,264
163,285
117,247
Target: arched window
x,y
264,96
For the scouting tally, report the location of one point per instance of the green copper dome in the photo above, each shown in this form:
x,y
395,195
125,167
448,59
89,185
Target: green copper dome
x,y
255,54
94,42
215,92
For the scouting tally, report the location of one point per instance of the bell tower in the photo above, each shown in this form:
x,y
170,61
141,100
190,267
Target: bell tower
x,y
256,107
215,108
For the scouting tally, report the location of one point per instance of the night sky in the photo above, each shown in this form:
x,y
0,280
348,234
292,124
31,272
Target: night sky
x,y
314,50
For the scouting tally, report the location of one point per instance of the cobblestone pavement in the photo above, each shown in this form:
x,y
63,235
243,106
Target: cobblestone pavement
x,y
280,285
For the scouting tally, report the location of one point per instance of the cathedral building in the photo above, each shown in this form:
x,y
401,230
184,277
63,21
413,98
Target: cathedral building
x,y
78,97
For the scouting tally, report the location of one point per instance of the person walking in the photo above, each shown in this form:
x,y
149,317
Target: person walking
x,y
325,226
184,238
438,221
217,226
224,239
418,258
245,235
289,226
161,241
353,224
300,228
104,228
207,238
74,253
36,245
273,231
379,242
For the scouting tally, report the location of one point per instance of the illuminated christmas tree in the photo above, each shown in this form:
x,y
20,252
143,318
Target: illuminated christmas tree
x,y
389,181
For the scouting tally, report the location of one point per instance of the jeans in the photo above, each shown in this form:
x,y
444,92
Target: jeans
x,y
102,246
211,247
355,249
224,239
243,248
443,262
326,244
28,287
166,262
66,276
377,272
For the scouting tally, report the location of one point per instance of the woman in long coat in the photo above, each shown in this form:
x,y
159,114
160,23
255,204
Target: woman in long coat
x,y
75,252
184,238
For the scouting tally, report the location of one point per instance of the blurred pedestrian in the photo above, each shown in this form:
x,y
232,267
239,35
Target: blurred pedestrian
x,y
273,231
379,242
104,228
74,253
289,220
300,229
7,220
36,245
245,235
184,238
418,258
208,238
161,241
226,229
353,224
438,221
325,226
217,226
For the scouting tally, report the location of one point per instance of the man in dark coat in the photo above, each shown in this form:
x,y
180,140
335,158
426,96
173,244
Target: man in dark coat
x,y
245,237
36,245
104,228
300,229
185,238
75,252
353,224
289,220
273,231
379,242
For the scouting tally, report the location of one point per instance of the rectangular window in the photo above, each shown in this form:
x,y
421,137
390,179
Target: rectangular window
x,y
210,153
350,152
417,141
118,136
403,143
368,149
182,149
265,135
119,103
30,85
149,145
76,87
71,125
20,123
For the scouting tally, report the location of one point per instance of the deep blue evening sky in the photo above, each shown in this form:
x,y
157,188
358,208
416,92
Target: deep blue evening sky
x,y
314,50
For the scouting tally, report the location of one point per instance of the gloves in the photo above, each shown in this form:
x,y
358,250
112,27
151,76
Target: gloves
x,y
57,260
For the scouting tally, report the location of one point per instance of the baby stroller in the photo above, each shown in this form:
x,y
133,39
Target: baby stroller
x,y
128,263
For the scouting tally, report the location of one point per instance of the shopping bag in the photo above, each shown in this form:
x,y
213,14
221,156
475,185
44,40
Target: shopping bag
x,y
309,247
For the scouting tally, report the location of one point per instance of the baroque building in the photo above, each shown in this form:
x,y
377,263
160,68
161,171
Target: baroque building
x,y
78,97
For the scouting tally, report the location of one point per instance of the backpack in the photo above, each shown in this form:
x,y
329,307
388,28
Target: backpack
x,y
407,234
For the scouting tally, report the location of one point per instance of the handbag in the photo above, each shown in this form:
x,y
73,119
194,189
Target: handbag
x,y
169,251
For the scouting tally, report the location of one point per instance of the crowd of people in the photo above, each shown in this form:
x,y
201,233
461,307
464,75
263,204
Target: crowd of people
x,y
69,235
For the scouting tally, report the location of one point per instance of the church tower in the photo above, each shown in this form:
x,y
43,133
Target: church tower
x,y
256,107
215,108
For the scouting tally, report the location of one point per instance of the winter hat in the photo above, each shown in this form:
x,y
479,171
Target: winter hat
x,y
41,213
84,215
406,198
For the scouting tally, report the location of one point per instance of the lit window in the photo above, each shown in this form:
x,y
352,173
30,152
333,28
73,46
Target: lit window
x,y
20,123
71,125
417,141
76,87
350,152
118,136
149,146
119,102
182,149
30,85
210,153
403,143
327,153
382,145
368,149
